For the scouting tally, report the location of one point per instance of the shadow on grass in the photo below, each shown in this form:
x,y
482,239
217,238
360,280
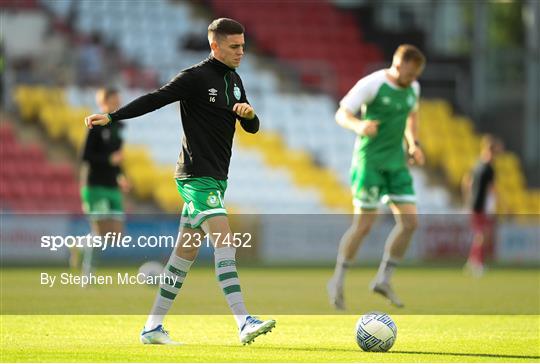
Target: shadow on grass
x,y
466,354
502,356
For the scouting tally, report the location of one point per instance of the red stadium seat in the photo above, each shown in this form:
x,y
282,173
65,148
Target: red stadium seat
x,y
19,4
7,133
34,152
11,151
29,183
305,30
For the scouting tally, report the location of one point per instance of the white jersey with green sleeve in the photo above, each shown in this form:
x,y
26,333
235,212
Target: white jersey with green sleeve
x,y
377,98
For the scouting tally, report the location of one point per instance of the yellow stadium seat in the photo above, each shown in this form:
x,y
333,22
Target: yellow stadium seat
x,y
456,168
21,97
297,159
507,160
337,198
328,179
275,157
48,118
459,149
142,179
533,202
27,99
434,112
270,140
462,126
470,145
164,173
304,176
168,198
136,155
512,178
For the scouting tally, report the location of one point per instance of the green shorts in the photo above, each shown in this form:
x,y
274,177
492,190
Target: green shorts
x,y
101,202
203,198
370,185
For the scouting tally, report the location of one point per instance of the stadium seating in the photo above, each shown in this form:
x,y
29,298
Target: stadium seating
x,y
30,183
321,41
64,122
159,133
313,149
20,4
300,145
150,155
452,144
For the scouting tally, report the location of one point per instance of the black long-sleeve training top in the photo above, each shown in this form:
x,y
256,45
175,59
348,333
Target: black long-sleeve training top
x,y
207,93
100,144
483,177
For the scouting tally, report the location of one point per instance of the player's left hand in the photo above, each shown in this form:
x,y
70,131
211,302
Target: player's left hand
x,y
123,183
244,110
416,155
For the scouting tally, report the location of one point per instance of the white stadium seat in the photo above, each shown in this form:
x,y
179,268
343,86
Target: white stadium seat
x,y
305,121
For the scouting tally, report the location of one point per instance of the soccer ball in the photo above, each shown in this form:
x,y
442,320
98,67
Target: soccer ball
x,y
151,269
375,331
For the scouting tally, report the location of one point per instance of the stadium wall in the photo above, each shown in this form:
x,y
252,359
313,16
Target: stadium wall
x,y
275,239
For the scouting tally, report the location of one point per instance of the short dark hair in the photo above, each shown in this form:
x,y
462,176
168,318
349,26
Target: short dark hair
x,y
224,26
408,52
106,92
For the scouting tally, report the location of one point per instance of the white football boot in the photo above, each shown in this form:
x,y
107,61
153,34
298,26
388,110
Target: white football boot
x,y
335,295
157,336
385,290
254,327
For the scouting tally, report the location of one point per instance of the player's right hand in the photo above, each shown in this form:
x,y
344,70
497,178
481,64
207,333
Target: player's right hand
x,y
116,158
96,119
368,128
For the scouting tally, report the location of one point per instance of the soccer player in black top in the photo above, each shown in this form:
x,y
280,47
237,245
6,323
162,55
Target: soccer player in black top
x,y
101,176
212,101
479,191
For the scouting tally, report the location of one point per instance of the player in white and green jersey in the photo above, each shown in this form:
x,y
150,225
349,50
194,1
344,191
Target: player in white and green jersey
x,y
382,110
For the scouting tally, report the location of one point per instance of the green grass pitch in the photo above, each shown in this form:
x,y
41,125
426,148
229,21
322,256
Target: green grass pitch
x,y
510,334
295,339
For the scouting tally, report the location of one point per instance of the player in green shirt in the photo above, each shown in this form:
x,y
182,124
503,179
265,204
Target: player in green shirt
x,y
388,103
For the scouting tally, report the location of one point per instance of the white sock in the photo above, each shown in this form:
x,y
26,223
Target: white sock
x,y
87,265
341,268
227,277
176,268
386,269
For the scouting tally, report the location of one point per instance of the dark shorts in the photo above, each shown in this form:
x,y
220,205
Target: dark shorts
x,y
482,223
